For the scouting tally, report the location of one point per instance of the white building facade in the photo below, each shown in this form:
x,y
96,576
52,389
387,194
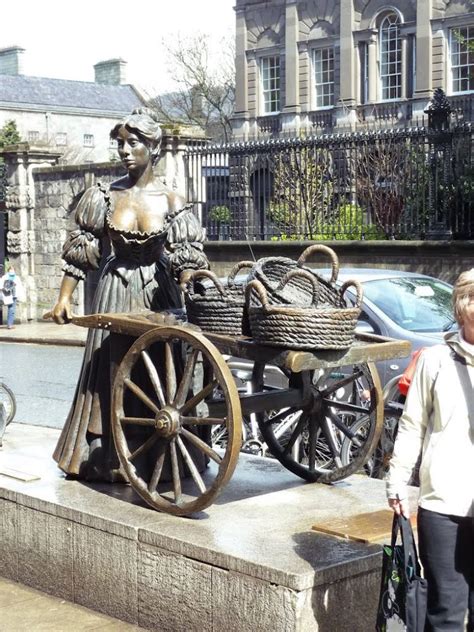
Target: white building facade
x,y
308,66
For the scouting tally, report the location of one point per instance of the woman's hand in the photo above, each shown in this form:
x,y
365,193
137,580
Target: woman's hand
x,y
61,312
184,278
400,507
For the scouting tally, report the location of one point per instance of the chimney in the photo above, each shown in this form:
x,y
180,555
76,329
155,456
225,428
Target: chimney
x,y
110,72
11,60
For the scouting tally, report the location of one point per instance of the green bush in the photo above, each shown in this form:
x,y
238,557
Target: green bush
x,y
220,214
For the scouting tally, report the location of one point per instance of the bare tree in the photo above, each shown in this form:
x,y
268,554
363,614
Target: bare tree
x,y
206,89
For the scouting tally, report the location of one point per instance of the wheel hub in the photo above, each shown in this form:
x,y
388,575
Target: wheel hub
x,y
168,421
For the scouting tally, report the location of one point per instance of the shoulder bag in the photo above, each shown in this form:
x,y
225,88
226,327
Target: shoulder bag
x,y
403,592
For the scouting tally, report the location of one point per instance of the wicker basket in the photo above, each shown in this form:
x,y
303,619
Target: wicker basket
x,y
271,270
314,324
217,308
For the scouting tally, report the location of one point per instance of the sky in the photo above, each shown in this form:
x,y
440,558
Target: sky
x,y
64,39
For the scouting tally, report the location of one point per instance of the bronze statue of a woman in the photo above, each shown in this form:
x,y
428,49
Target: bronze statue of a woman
x,y
154,239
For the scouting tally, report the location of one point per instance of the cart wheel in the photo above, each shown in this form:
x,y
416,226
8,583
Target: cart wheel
x,y
157,377
309,441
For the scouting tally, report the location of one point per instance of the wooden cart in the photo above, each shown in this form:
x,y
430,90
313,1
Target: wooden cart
x,y
323,427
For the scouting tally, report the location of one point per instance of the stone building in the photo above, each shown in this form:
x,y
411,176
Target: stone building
x,y
73,118
306,66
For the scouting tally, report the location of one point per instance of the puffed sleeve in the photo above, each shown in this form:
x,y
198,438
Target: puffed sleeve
x,y
185,243
82,249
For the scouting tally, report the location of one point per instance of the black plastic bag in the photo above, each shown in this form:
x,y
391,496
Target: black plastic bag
x,y
403,592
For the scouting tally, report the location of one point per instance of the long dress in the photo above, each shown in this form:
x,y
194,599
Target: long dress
x,y
140,274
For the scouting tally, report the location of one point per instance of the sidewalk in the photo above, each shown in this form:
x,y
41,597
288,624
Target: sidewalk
x,y
24,609
45,332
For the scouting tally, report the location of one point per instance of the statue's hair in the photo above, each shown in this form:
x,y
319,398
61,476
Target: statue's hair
x,y
144,123
463,291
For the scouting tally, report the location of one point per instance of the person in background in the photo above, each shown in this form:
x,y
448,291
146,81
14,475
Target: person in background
x,y
438,421
12,292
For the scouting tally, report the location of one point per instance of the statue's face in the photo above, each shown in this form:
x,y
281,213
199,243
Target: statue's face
x,y
133,151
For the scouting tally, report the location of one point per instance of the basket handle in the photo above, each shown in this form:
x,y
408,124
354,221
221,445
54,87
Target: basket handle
x,y
305,275
237,268
199,274
261,291
326,250
358,288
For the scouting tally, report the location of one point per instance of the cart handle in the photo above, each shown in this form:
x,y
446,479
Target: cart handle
x,y
237,268
305,275
261,291
198,274
358,288
326,250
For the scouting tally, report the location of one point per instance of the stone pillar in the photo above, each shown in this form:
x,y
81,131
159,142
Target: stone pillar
x,y
347,54
291,111
346,114
241,113
20,160
424,52
373,70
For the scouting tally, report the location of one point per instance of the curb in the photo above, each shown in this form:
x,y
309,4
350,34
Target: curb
x,y
67,342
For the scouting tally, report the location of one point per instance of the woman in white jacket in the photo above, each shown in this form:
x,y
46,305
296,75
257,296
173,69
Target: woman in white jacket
x,y
438,421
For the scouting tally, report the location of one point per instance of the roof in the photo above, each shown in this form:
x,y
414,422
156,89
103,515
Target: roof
x,y
21,90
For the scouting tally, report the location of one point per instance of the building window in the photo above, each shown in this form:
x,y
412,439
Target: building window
x,y
61,138
33,136
270,82
390,58
88,140
323,64
462,59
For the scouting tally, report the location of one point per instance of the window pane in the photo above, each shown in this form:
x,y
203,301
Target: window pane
x,y
390,57
323,64
462,59
270,81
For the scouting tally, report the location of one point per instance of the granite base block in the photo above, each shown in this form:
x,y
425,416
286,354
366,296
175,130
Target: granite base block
x,y
250,562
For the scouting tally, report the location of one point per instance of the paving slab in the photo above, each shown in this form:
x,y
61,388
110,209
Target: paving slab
x,y
239,560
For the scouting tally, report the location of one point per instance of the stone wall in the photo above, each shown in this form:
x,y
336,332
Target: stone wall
x,y
442,259
57,191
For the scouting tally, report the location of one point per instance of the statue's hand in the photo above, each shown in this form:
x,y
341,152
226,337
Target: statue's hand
x,y
61,312
184,278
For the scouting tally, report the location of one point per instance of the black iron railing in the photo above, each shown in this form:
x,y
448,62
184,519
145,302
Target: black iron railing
x,y
412,183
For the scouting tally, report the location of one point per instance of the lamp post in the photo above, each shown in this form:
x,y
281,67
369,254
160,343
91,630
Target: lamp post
x,y
440,159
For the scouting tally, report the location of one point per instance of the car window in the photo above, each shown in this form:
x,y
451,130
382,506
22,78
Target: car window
x,y
414,303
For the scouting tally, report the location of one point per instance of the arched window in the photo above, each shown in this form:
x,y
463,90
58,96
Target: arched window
x,y
390,58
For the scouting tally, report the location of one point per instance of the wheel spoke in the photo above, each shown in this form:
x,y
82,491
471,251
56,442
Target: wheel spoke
x,y
201,445
312,425
330,435
154,377
281,415
191,465
340,383
138,421
136,390
203,393
186,380
170,373
203,421
155,477
296,433
175,472
345,406
145,446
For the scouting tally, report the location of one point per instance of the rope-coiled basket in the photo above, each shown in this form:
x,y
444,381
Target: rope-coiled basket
x,y
217,308
271,270
314,325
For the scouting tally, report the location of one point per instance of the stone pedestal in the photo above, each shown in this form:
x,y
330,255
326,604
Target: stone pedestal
x,y
250,562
